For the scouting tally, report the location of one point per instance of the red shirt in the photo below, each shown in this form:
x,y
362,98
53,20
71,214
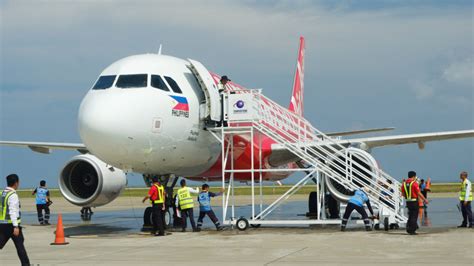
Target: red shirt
x,y
153,192
414,188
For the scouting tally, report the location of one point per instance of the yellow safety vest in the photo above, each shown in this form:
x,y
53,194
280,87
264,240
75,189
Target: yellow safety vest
x,y
462,193
4,210
408,191
161,194
185,199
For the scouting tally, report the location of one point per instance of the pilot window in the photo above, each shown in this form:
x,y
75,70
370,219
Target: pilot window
x,y
174,86
104,82
132,81
157,82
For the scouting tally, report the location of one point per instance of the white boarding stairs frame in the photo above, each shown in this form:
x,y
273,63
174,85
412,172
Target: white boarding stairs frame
x,y
325,158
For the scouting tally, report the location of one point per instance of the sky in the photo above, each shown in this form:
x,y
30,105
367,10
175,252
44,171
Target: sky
x,y
406,64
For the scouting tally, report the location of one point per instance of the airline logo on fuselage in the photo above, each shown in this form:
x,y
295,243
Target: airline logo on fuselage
x,y
181,108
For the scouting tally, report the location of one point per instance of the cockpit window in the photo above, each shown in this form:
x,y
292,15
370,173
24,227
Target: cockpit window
x,y
104,82
157,82
132,81
173,84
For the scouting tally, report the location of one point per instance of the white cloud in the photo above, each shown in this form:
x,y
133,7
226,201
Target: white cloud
x,y
460,72
422,90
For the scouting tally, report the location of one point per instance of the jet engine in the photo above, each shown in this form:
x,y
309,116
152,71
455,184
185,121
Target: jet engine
x,y
358,173
87,181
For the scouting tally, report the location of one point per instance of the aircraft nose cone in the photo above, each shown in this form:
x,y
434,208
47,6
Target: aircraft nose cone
x,y
102,124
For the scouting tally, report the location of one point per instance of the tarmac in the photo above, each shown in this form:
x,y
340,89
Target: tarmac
x,y
109,244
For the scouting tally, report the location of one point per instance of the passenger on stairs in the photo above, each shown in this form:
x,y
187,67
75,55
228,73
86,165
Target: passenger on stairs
x,y
222,88
356,202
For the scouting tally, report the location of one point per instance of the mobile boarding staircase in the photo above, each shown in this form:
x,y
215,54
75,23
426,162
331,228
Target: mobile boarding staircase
x,y
320,156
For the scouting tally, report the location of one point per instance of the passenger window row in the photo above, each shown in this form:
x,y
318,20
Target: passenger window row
x,y
137,81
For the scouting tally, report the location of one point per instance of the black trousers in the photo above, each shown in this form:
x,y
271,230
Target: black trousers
x,y
6,232
412,223
39,210
466,213
188,213
425,194
211,215
349,209
158,216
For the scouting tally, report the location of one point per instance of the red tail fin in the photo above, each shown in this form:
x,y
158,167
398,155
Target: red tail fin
x,y
296,104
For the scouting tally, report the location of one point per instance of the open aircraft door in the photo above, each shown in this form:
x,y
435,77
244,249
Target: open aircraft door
x,y
208,86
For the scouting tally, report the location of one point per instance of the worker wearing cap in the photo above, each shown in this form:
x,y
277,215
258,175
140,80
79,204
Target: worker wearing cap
x,y
157,195
411,192
221,88
204,199
42,202
465,198
356,202
10,218
186,204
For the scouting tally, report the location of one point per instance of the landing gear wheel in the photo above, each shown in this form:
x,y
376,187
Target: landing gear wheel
x,y
385,224
255,225
313,204
377,226
242,224
147,217
167,218
394,226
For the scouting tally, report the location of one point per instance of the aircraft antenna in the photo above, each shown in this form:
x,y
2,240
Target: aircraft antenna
x,y
159,49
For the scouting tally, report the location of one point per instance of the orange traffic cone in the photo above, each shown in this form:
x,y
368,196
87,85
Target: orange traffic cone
x,y
60,240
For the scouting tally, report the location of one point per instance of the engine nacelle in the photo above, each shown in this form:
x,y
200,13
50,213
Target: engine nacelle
x,y
87,181
361,176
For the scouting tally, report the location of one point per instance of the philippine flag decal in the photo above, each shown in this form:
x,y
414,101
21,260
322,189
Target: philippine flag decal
x,y
181,106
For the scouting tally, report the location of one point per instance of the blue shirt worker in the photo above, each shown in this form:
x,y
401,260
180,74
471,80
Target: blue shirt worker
x,y
42,203
186,204
10,218
356,202
204,199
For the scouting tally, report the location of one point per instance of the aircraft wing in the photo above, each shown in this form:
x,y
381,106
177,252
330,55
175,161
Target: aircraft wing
x,y
280,155
355,132
46,147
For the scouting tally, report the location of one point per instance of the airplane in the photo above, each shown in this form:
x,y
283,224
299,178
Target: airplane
x,y
150,114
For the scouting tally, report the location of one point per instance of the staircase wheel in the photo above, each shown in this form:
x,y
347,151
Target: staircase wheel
x,y
242,224
385,224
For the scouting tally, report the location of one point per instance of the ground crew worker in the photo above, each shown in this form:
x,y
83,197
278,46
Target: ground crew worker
x,y
465,198
10,218
411,192
204,199
356,202
42,202
186,204
157,195
221,88
423,192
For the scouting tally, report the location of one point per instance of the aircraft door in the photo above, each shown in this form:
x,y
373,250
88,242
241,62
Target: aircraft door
x,y
213,102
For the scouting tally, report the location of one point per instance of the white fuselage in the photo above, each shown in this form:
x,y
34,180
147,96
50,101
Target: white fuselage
x,y
136,129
